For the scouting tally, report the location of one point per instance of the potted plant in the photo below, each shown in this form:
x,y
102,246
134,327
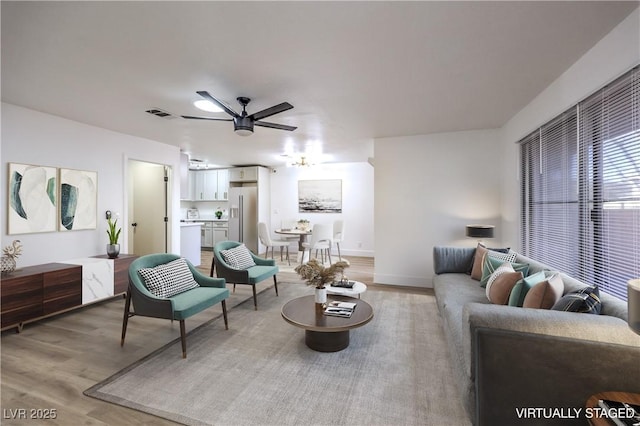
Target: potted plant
x,y
317,275
218,213
113,248
303,224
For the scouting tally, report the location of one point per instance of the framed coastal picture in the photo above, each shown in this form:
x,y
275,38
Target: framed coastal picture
x,y
32,199
78,200
320,196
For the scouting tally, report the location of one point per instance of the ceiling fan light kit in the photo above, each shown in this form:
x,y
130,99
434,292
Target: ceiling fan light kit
x,y
243,123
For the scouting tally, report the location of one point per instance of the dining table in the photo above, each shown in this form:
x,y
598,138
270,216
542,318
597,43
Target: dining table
x,y
302,235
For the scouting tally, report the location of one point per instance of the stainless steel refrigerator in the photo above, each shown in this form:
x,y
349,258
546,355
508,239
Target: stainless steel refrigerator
x,y
243,216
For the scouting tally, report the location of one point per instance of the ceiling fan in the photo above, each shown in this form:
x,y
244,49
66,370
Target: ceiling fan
x,y
243,123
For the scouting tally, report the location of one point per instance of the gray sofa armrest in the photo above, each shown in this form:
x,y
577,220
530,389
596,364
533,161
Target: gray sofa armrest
x,y
518,371
452,259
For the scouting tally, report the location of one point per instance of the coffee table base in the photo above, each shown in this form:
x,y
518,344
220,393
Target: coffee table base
x,y
326,342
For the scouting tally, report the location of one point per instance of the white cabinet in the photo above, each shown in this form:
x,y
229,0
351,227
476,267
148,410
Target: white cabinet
x,y
243,174
210,185
220,234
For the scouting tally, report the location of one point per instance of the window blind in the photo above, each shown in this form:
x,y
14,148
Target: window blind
x,y
580,188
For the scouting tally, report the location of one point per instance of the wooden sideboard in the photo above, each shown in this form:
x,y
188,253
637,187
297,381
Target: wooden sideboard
x,y
35,292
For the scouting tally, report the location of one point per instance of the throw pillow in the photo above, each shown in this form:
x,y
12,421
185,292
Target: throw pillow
x,y
522,287
586,300
491,263
238,258
168,279
501,282
481,251
545,294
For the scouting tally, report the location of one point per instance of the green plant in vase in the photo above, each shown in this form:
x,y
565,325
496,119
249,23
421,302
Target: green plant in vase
x,y
113,248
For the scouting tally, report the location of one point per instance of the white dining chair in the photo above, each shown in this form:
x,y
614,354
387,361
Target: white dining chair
x,y
320,239
265,238
338,235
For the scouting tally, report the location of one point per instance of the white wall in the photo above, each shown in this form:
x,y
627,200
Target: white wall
x,y
611,57
427,189
32,137
357,202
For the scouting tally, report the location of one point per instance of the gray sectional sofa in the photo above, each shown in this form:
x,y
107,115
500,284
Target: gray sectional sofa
x,y
519,365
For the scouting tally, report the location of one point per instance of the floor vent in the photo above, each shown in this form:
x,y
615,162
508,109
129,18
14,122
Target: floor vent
x,y
160,113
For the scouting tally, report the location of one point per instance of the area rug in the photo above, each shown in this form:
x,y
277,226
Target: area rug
x,y
396,370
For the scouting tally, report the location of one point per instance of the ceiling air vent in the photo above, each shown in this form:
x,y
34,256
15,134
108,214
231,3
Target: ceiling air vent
x,y
160,113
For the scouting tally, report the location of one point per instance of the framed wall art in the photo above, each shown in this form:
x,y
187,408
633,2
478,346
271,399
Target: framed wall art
x,y
32,199
320,196
78,199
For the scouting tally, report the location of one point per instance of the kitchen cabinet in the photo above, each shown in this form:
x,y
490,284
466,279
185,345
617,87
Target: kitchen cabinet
x,y
210,185
207,235
220,234
243,174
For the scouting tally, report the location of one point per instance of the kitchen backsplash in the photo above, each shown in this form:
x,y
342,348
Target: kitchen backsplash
x,y
206,209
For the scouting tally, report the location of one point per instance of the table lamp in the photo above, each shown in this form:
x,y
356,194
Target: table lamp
x,y
480,231
633,304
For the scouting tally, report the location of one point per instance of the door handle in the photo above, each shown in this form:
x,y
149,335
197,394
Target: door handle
x,y
134,224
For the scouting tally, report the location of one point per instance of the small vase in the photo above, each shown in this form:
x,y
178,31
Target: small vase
x,y
113,250
321,297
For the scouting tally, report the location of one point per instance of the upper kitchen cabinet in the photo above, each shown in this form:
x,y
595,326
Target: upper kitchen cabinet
x,y
210,185
243,174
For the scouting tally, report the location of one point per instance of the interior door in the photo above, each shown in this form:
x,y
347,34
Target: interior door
x,y
148,189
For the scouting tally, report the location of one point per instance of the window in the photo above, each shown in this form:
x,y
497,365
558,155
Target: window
x,y
581,188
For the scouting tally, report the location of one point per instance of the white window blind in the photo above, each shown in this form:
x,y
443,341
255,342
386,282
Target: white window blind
x,y
581,188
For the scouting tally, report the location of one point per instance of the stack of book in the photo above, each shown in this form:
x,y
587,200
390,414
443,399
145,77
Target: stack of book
x,y
620,413
340,309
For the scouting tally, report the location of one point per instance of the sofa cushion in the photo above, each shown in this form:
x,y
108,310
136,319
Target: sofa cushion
x,y
238,257
522,287
168,279
492,263
448,260
586,300
545,294
501,282
478,259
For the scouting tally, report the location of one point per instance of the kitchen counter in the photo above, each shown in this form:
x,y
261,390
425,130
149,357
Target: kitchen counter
x,y
205,220
190,223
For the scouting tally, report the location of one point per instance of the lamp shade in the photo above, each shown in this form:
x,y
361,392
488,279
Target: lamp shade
x,y
633,304
480,231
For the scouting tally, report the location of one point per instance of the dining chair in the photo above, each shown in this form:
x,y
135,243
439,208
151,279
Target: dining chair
x,y
321,236
338,235
265,238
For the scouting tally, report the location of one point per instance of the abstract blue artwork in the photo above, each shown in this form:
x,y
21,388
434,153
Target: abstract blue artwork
x,y
32,199
78,199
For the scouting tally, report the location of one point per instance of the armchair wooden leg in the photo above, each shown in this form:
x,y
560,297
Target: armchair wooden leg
x,y
183,339
224,314
275,284
234,288
125,319
255,298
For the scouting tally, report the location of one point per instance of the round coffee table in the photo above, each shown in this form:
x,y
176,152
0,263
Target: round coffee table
x,y
325,333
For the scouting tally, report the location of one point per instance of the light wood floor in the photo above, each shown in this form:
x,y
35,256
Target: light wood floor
x,y
51,362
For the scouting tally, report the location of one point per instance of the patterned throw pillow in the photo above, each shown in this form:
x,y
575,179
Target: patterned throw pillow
x,y
238,258
168,279
481,251
491,263
522,287
501,282
545,294
586,300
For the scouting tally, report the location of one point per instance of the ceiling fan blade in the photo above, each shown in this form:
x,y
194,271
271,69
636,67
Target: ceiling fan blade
x,y
274,125
221,104
191,117
271,111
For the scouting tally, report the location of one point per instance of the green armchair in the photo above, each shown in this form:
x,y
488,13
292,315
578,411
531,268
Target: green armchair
x,y
177,307
263,269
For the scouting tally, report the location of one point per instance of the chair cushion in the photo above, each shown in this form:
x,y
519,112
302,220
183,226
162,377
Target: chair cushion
x,y
168,279
261,272
238,258
191,302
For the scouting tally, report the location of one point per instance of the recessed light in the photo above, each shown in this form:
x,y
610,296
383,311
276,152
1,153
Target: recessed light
x,y
206,105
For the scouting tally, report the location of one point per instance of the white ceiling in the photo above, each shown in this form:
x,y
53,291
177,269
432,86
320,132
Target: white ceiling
x,y
354,71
